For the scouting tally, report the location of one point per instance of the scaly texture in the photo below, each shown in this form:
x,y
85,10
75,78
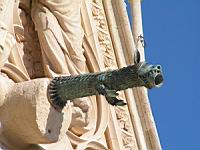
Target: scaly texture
x,y
106,83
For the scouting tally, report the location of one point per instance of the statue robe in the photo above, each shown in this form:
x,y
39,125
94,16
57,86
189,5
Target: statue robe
x,y
60,33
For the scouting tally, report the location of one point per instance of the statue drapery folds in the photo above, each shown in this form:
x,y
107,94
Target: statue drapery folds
x,y
58,24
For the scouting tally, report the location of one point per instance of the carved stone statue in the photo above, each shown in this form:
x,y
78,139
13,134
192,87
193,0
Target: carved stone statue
x,y
58,24
52,51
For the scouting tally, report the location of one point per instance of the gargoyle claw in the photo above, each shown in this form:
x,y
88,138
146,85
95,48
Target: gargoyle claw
x,y
114,101
120,103
102,89
111,93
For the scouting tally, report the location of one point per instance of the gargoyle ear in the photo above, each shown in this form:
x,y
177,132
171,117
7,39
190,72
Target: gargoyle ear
x,y
137,57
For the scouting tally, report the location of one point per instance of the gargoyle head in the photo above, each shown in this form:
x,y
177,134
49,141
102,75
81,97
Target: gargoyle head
x,y
150,75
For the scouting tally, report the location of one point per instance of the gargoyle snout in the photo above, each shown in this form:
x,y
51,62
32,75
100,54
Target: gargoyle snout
x,y
151,75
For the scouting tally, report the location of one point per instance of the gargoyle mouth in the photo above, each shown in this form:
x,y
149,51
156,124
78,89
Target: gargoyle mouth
x,y
159,80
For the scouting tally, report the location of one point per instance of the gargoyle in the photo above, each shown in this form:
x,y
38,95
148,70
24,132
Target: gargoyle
x,y
62,89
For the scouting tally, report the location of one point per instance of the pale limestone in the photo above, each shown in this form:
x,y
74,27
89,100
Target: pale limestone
x,y
48,38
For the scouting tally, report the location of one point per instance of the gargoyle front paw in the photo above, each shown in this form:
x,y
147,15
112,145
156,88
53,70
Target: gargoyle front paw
x,y
120,103
115,102
102,89
111,93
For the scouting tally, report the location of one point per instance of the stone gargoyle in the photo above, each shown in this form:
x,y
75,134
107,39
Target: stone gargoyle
x,y
62,89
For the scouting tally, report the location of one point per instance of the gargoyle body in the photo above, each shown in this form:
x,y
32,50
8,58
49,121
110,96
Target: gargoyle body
x,y
105,83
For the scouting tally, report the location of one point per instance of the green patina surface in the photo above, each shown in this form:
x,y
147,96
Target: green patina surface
x,y
62,89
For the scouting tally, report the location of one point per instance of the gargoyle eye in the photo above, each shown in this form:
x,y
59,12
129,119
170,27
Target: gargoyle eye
x,y
158,67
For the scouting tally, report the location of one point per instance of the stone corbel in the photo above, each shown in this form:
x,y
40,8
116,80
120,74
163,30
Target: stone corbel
x,y
26,113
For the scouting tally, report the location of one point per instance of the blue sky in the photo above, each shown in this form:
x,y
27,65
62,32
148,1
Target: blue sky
x,y
172,31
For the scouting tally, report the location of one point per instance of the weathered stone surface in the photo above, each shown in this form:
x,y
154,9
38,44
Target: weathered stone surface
x,y
41,39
